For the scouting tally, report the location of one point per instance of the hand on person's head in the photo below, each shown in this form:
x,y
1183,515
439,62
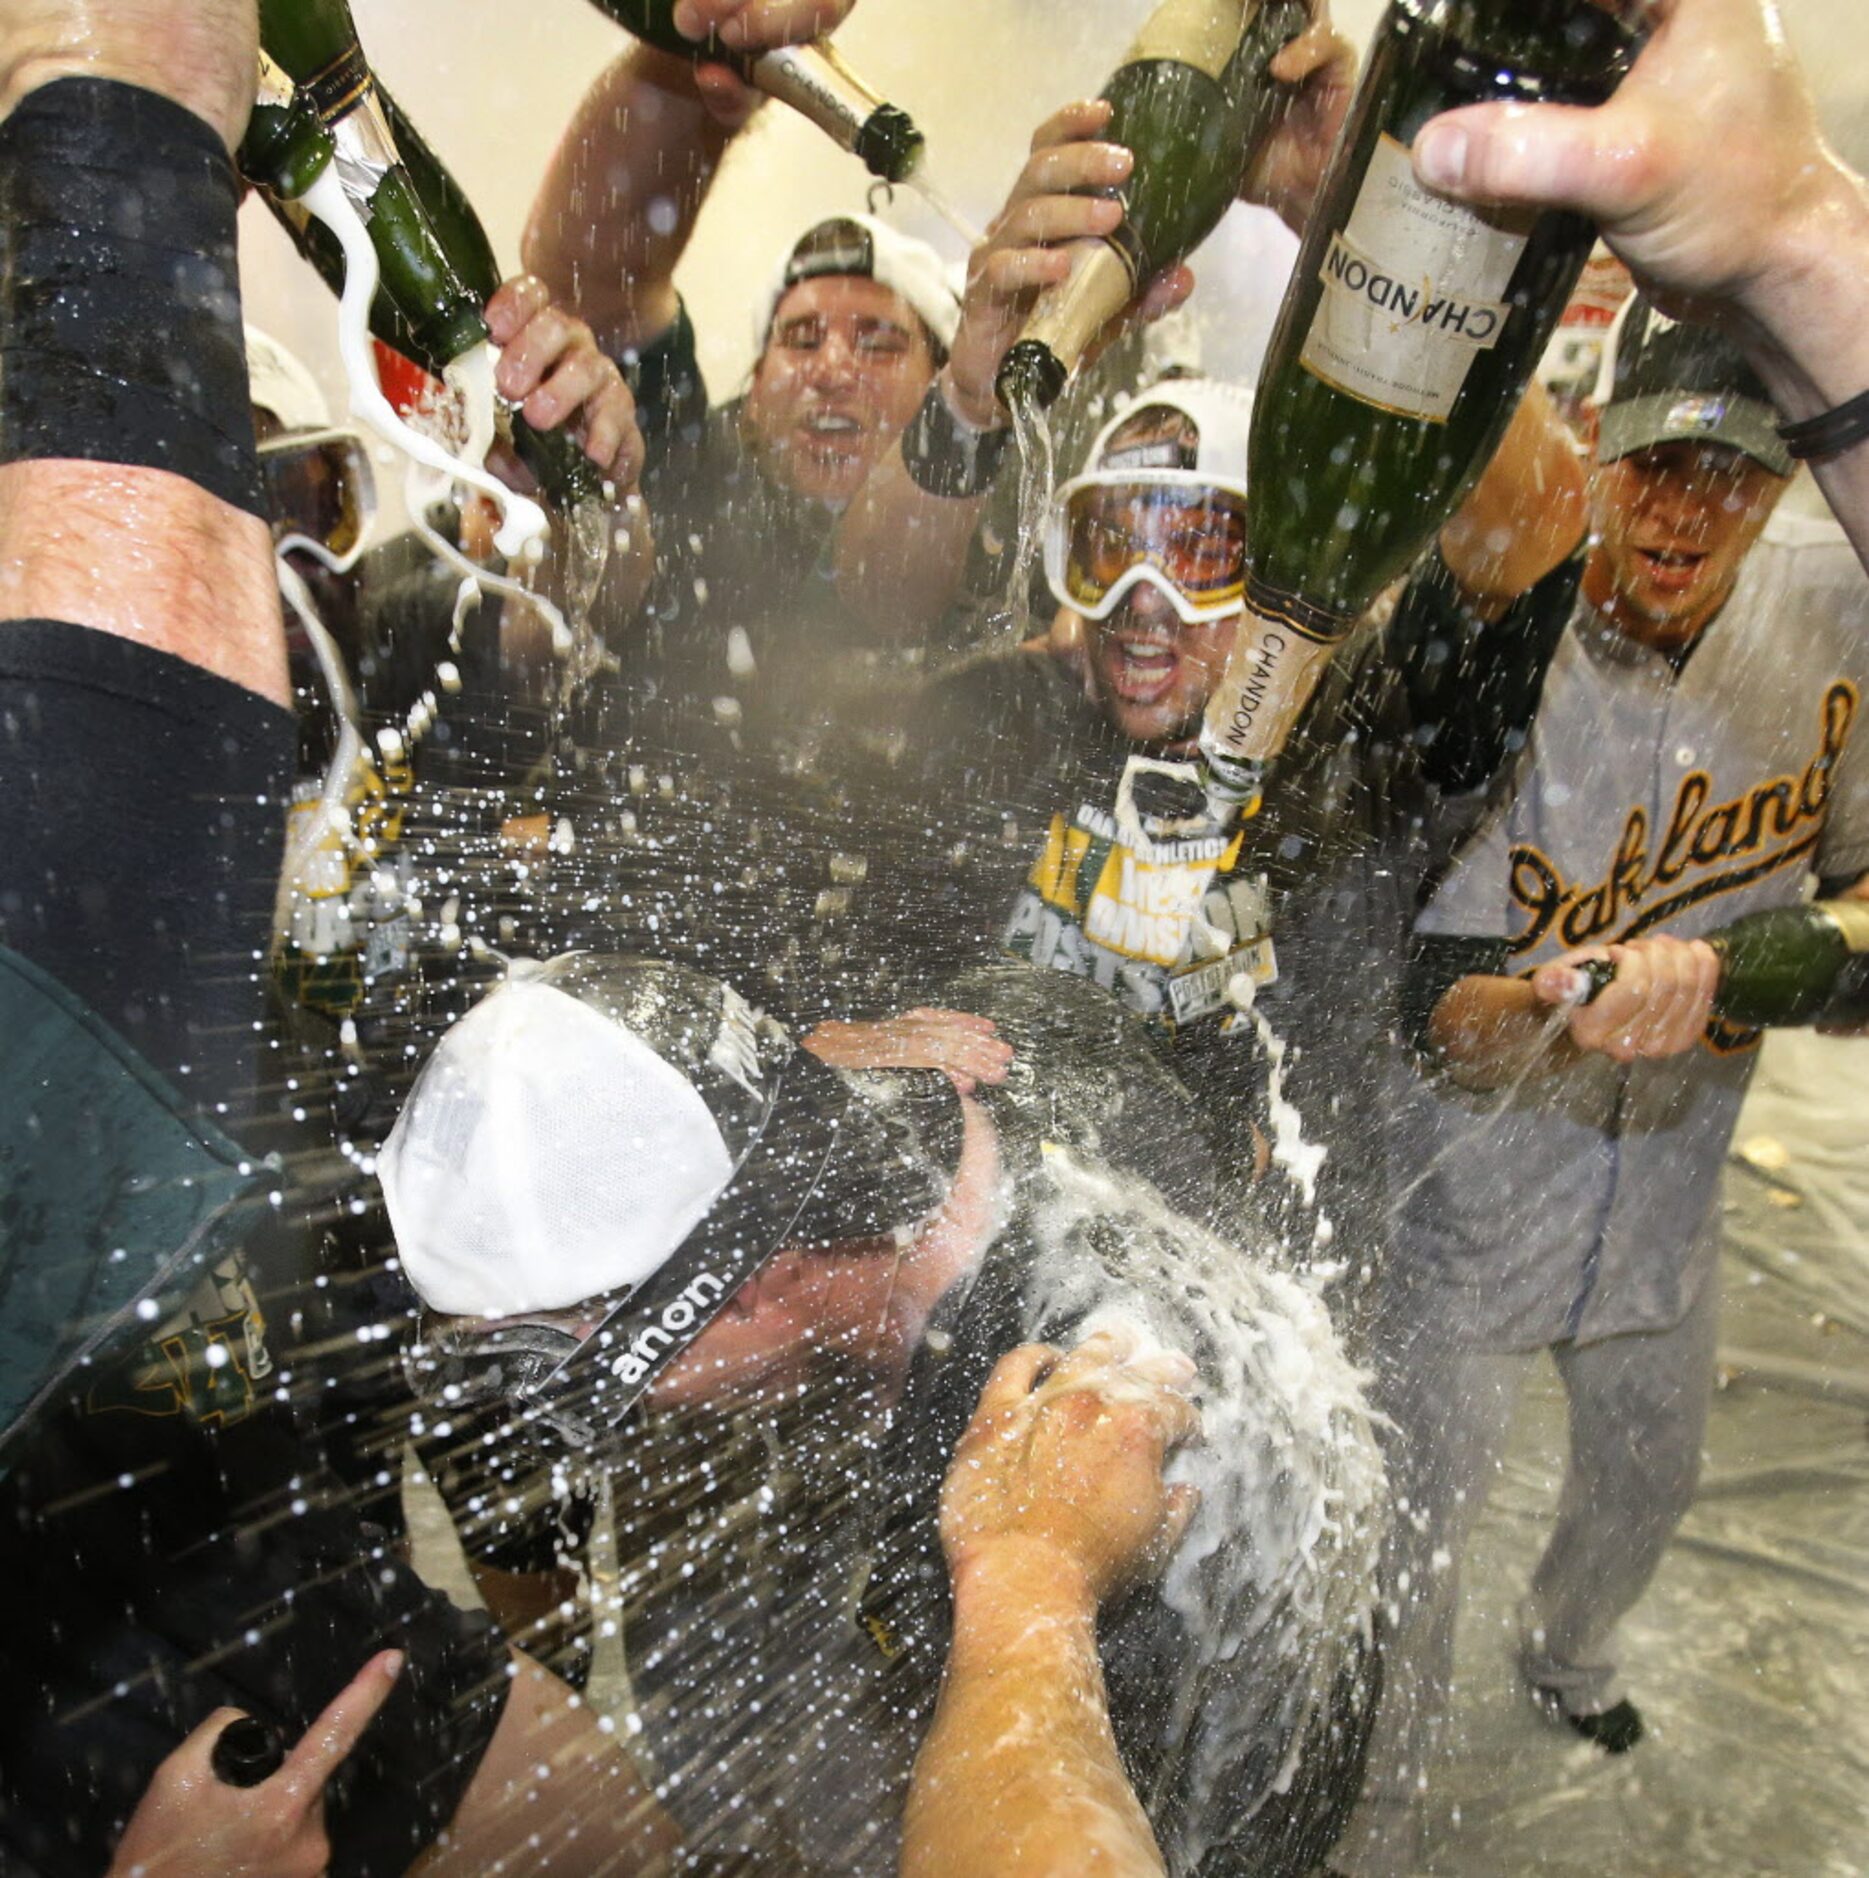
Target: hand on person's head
x,y
1703,167
1321,65
1064,1454
966,1047
1067,191
552,367
1657,1005
190,1824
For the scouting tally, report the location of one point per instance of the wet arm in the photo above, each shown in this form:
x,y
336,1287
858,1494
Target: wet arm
x,y
1527,513
1486,1032
641,140
1020,1774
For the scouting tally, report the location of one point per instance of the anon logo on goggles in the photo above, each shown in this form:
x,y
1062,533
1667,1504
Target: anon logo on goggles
x,y
1184,536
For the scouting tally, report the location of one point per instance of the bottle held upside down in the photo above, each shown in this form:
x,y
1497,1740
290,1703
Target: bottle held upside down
x,y
1406,338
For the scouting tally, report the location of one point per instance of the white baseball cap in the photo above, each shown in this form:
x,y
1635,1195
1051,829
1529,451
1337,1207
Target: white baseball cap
x,y
280,383
872,250
608,1125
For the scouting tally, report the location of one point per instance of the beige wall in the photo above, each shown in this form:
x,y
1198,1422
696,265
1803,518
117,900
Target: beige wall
x,y
492,84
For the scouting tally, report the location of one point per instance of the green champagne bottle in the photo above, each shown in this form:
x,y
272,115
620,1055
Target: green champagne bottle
x,y
1192,100
437,266
1785,965
813,80
1406,338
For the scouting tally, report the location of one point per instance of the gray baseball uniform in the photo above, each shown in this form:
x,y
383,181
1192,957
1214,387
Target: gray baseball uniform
x,y
1579,1207
1578,1212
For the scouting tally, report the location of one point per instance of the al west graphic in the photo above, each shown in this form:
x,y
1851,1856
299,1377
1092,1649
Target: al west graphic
x,y
1150,913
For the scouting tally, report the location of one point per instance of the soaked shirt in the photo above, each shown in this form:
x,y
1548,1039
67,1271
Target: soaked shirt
x,y
786,1621
1648,800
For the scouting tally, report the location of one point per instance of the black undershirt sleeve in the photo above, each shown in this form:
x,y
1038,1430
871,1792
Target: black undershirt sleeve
x,y
1473,685
1436,963
664,377
145,806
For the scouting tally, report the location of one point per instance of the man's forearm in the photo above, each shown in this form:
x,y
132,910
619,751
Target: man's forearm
x,y
137,513
1807,336
1020,1774
1527,512
145,555
1486,1032
900,554
640,141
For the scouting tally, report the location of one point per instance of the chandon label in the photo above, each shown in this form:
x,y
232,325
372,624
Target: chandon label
x,y
1412,291
1269,675
818,85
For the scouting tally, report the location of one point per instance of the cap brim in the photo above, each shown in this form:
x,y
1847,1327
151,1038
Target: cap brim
x,y
890,1158
1742,424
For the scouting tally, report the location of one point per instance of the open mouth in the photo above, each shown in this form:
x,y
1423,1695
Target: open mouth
x,y
1141,671
831,430
1673,569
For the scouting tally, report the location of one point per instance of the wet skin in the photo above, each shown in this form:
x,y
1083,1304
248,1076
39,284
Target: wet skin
x,y
869,1299
846,365
1671,527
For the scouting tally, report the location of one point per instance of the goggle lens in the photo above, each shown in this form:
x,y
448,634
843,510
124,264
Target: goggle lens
x,y
1194,539
321,488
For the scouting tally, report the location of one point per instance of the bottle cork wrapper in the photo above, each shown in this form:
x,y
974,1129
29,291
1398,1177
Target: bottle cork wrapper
x,y
1851,919
1270,674
1201,33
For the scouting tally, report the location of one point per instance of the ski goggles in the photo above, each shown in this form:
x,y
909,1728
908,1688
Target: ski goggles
x,y
1183,533
321,493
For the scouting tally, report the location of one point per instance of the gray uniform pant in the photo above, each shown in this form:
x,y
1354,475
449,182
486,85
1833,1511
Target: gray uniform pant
x,y
1637,1413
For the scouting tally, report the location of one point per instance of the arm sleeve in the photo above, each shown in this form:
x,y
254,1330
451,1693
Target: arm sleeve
x,y
146,825
1435,965
664,377
1472,685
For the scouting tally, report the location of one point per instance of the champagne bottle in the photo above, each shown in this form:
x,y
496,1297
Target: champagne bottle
x,y
1193,101
1786,965
1407,334
813,80
437,265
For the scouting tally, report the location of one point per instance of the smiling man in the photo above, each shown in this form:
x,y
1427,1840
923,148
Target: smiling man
x,y
1051,804
1694,757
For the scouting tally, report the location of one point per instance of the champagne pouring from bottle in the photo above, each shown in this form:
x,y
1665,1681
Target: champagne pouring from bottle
x,y
321,143
1406,337
1194,102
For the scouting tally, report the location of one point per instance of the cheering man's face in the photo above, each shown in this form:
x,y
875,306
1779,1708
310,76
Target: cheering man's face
x,y
1673,524
847,363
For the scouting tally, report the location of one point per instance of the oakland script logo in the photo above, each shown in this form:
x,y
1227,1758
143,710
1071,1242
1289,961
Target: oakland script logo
x,y
1707,849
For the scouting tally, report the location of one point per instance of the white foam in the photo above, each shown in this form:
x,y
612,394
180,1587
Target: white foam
x,y
522,522
1278,1568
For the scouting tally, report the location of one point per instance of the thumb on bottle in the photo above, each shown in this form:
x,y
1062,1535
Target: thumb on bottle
x,y
1559,985
1541,155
